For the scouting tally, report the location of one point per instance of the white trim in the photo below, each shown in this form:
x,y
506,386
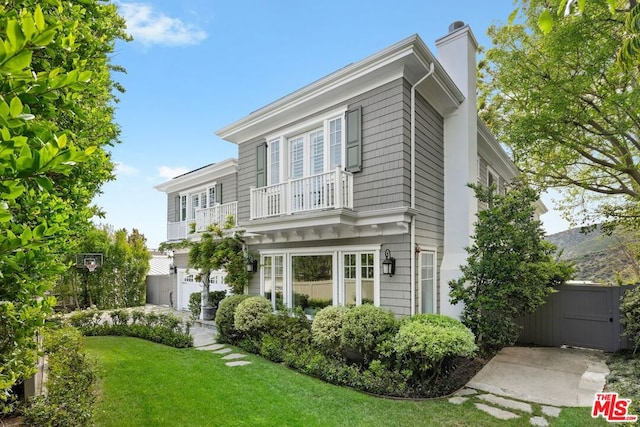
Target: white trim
x,y
198,176
324,250
434,299
308,124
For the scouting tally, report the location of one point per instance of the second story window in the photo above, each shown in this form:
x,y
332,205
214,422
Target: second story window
x,y
317,150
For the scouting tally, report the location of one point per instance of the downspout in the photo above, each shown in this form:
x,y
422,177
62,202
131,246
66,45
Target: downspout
x,y
412,255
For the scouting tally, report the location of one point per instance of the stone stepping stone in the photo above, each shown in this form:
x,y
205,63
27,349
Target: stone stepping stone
x,y
233,356
551,411
465,392
506,403
238,363
210,347
539,421
222,351
498,413
458,400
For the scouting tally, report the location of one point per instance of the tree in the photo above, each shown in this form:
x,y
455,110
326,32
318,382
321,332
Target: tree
x,y
566,108
215,249
119,282
510,268
50,86
627,12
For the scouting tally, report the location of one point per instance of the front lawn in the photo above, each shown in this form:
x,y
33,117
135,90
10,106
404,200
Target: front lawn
x,y
150,384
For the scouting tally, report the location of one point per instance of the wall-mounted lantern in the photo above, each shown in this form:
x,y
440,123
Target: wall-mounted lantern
x,y
389,264
252,265
173,269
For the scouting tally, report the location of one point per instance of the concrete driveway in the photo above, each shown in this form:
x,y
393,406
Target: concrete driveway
x,y
548,376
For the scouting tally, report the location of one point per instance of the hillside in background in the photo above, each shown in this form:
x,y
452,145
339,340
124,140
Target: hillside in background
x,y
598,257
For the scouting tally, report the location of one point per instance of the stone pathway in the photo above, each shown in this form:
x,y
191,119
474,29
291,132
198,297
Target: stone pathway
x,y
204,333
507,409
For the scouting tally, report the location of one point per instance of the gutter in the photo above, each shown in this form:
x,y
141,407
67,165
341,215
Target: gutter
x,y
412,256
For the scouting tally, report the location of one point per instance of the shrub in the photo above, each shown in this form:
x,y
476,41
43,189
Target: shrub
x,y
120,317
285,333
195,304
630,316
326,328
70,385
365,327
225,321
215,297
424,341
161,328
251,314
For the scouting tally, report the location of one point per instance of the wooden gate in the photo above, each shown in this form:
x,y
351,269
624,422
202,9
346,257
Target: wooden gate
x,y
578,316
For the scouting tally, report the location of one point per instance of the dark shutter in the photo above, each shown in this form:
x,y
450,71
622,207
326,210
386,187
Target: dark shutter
x,y
177,209
219,193
261,165
354,140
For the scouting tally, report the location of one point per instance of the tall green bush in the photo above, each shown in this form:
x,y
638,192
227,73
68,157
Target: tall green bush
x,y
630,316
195,305
225,320
510,268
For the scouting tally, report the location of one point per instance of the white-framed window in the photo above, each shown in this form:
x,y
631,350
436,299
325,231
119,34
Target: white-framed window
x,y
315,278
193,200
493,179
427,280
275,161
311,148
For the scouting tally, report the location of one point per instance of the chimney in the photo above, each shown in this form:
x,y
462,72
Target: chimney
x,y
457,54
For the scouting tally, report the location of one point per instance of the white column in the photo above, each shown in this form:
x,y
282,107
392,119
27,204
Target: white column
x,y
457,54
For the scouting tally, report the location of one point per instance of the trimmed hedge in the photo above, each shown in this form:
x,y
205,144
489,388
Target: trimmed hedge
x,y
251,314
161,328
365,328
326,329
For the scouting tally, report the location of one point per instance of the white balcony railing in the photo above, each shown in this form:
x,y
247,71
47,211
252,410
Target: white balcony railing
x,y
215,215
330,190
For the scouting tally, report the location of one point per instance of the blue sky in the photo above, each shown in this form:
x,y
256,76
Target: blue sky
x,y
197,65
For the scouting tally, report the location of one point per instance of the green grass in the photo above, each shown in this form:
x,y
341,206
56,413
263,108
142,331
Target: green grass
x,y
147,384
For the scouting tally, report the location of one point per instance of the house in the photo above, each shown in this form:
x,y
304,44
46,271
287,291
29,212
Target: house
x,y
353,189
196,200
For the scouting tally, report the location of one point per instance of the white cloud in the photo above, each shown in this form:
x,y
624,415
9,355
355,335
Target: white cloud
x,y
168,172
152,27
124,170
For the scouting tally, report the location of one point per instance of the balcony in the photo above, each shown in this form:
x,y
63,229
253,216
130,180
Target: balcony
x,y
330,190
215,215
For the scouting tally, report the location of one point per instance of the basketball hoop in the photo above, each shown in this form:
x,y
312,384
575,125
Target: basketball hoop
x,y
89,261
90,264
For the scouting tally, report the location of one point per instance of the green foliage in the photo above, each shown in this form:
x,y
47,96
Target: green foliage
x,y
119,282
630,316
424,341
566,107
285,333
510,268
195,304
251,315
326,328
70,384
365,327
225,320
55,118
161,328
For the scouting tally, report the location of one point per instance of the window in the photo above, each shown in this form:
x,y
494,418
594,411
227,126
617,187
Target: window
x,y
493,179
195,200
274,170
316,150
272,279
313,280
359,279
427,282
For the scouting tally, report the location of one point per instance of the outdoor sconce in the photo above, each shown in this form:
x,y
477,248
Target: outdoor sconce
x,y
252,265
389,264
173,269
